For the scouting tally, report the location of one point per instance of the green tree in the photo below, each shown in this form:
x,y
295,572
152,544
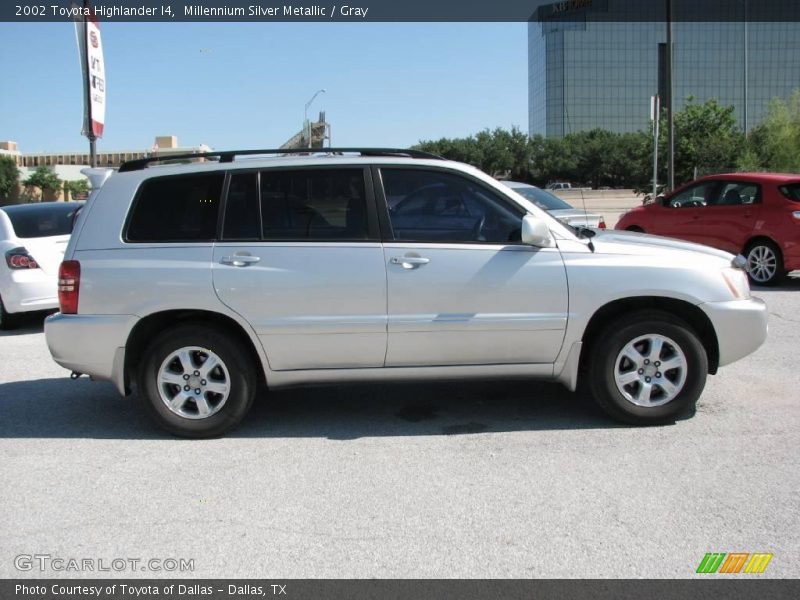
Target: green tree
x,y
775,144
76,187
9,176
45,179
707,139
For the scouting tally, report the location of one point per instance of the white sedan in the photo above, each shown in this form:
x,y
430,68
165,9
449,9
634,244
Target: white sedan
x,y
562,211
33,238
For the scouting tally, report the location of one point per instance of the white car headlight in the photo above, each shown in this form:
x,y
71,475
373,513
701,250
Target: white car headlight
x,y
736,280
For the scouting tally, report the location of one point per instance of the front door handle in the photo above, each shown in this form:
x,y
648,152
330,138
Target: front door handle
x,y
410,262
239,260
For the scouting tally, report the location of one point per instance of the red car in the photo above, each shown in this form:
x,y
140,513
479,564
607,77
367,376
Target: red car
x,y
754,214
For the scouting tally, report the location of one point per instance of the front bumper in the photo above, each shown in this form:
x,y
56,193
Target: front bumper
x,y
741,327
91,344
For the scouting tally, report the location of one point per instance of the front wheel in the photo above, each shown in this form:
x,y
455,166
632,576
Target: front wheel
x,y
647,368
195,381
764,263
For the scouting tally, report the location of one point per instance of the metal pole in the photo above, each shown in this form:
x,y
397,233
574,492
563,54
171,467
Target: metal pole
x,y
656,110
671,100
746,124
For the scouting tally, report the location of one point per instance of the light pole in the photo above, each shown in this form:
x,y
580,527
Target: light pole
x,y
306,124
670,103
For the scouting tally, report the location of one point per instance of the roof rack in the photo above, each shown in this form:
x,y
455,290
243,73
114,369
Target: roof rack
x,y
225,156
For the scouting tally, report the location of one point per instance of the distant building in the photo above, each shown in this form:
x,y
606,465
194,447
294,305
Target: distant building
x,y
68,165
590,65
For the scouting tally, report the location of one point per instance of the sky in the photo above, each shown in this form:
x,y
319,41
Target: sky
x,y
244,85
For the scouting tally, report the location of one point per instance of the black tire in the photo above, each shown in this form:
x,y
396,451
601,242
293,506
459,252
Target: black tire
x,y
608,346
239,375
635,229
7,320
764,248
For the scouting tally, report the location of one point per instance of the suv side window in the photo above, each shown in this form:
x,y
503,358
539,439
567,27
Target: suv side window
x,y
180,208
242,218
314,204
433,206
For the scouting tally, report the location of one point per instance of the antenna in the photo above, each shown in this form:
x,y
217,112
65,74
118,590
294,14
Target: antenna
x,y
586,220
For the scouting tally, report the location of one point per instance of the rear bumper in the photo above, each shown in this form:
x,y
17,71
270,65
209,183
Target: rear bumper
x,y
28,290
91,344
741,327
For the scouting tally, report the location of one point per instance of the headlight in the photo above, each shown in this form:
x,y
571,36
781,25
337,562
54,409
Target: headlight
x,y
736,280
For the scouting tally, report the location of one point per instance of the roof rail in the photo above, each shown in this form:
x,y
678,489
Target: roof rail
x,y
228,155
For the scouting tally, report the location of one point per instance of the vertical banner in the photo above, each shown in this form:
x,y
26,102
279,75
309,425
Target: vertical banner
x,y
97,77
90,52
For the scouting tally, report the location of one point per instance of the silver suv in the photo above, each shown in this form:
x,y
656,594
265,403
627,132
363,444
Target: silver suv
x,y
201,283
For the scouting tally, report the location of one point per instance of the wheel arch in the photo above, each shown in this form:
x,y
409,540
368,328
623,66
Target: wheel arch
x,y
686,311
761,238
150,326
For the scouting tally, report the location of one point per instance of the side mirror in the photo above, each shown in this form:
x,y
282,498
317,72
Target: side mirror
x,y
535,232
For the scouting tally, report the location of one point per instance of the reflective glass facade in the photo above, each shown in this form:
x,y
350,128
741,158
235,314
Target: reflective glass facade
x,y
584,74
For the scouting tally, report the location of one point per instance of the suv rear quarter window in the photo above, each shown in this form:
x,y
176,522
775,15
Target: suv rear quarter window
x,y
791,191
181,208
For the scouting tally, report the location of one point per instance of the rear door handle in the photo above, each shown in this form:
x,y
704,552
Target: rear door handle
x,y
410,262
239,260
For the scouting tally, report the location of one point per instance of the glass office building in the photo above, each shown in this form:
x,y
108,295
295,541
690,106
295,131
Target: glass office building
x,y
590,65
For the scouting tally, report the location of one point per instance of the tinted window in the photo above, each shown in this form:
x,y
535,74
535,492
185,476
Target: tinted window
x,y
242,220
42,220
313,204
694,197
735,193
440,207
791,191
176,209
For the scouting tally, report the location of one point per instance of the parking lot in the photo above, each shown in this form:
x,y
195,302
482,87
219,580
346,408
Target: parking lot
x,y
511,479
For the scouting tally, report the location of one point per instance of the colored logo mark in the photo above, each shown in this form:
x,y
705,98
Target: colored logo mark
x,y
734,562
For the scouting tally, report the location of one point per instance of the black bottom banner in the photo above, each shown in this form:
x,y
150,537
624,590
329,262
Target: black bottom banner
x,y
396,589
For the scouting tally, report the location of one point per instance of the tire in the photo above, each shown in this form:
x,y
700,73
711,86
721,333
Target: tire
x,y
7,320
635,229
216,400
637,334
764,263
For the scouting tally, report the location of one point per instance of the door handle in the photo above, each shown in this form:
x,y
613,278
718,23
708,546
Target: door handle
x,y
239,260
410,262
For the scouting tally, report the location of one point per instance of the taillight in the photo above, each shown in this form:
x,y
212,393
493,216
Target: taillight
x,y
69,283
18,258
602,224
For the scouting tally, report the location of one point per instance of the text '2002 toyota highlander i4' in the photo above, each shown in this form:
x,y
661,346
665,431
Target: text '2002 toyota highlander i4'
x,y
198,282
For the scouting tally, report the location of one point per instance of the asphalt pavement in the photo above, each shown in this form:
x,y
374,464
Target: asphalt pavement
x,y
477,480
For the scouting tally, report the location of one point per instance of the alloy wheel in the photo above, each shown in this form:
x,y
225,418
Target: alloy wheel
x,y
650,370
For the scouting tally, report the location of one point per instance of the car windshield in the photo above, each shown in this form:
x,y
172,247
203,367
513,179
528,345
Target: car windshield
x,y
542,199
42,220
791,191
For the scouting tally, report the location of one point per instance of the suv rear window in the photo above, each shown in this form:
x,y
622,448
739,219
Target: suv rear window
x,y
791,191
176,209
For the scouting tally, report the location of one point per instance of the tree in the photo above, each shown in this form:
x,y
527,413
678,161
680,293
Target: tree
x,y
9,176
707,139
775,144
45,179
76,187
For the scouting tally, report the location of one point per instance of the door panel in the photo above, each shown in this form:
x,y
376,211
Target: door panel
x,y
309,276
473,304
314,306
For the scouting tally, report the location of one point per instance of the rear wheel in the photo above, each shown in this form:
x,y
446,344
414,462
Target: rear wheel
x,y
195,381
764,263
635,229
647,368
